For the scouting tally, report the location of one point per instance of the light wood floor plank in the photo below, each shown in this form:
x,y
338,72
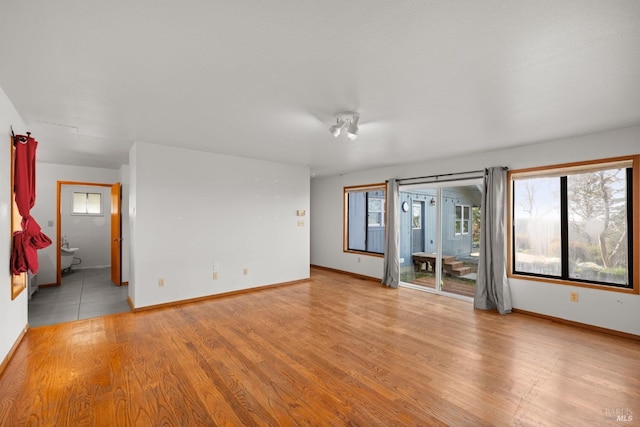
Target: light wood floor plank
x,y
334,350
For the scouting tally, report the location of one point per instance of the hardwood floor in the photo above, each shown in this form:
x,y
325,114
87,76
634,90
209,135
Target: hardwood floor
x,y
457,287
332,351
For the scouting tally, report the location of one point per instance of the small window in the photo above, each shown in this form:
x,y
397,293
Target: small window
x,y
376,210
462,219
417,216
364,215
573,223
87,203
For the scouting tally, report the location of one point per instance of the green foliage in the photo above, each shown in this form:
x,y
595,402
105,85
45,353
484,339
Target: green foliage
x,y
598,200
616,271
475,229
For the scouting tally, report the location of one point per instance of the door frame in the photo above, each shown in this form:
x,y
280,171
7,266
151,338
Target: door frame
x,y
438,186
59,185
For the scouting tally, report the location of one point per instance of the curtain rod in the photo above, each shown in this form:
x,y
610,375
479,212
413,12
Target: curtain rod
x,y
437,177
20,136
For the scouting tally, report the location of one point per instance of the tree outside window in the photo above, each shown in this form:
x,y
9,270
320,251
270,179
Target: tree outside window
x,y
572,222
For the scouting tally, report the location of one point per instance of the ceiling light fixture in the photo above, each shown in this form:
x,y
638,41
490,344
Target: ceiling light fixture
x,y
335,129
346,119
352,128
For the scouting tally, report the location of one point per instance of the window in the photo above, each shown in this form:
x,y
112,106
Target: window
x,y
462,219
375,213
574,223
417,216
87,203
364,215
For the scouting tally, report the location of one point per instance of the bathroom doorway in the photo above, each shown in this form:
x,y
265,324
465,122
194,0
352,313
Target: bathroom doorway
x,y
93,212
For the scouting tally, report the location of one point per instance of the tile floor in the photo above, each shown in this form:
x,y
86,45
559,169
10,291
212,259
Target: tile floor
x,y
82,295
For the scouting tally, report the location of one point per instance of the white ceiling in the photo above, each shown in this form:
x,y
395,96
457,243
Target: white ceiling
x,y
263,79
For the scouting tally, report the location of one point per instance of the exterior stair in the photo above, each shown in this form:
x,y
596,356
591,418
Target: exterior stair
x,y
449,264
455,268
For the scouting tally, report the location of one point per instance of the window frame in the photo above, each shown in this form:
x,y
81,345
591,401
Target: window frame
x,y
462,220
413,216
86,213
633,221
380,213
345,215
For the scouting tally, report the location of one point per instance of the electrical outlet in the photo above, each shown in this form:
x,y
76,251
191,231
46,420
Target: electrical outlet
x,y
245,271
300,223
573,297
215,266
161,283
215,275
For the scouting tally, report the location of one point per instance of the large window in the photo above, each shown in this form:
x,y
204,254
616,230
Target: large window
x,y
364,218
574,223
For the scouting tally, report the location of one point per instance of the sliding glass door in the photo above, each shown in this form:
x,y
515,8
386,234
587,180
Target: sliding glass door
x,y
418,220
440,237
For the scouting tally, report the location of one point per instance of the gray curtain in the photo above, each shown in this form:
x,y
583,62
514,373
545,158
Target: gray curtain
x,y
492,285
391,274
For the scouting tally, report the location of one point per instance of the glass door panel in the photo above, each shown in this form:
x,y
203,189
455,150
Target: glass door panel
x,y
460,236
418,220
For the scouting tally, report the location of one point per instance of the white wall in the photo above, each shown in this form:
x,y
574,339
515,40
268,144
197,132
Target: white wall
x,y
133,159
13,314
44,211
190,209
124,208
90,233
612,310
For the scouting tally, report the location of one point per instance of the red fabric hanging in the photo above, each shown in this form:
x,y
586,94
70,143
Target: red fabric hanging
x,y
27,241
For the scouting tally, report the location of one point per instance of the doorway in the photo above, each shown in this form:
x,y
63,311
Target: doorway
x,y
93,210
82,293
439,238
